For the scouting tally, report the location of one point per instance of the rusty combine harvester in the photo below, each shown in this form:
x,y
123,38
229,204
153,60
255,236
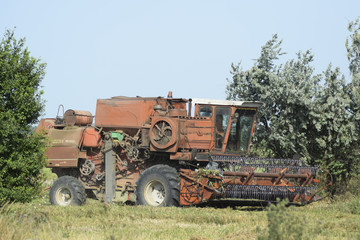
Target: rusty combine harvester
x,y
167,152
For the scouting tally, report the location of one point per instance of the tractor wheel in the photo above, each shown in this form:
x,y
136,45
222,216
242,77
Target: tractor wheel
x,y
66,191
158,186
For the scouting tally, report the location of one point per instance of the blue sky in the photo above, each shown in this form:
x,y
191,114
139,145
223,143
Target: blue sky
x,y
100,49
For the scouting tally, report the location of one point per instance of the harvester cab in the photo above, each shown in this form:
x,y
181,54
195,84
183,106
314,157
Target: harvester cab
x,y
234,123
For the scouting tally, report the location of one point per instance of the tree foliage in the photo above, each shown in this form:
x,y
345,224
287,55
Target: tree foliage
x,y
353,53
353,47
308,115
353,88
336,135
21,152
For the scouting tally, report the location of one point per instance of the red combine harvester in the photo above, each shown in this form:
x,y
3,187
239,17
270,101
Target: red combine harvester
x,y
167,152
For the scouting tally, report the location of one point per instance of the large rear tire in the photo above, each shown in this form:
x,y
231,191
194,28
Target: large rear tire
x,y
67,191
158,186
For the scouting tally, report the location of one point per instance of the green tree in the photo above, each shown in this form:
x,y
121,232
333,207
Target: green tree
x,y
286,91
304,114
352,45
21,152
353,53
335,136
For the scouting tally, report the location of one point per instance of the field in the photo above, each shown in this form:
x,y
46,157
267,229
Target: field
x,y
326,219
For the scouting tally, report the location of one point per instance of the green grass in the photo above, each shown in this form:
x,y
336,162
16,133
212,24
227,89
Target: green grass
x,y
339,219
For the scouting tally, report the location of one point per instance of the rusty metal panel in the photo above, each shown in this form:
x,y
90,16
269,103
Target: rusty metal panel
x,y
123,113
181,156
66,137
177,112
45,124
62,156
92,138
196,133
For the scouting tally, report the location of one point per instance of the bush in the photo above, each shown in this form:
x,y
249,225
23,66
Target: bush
x,y
353,186
284,223
346,203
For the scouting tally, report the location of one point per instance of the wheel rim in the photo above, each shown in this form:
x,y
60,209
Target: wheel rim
x,y
154,193
63,196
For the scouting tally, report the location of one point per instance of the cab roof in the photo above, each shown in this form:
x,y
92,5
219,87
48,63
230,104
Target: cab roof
x,y
205,101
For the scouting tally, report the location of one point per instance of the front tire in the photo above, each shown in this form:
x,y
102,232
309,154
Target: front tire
x,y
158,186
67,191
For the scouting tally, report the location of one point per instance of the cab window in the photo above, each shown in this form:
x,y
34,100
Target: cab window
x,y
205,111
222,116
240,130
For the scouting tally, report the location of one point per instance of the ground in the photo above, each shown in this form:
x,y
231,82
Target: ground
x,y
326,219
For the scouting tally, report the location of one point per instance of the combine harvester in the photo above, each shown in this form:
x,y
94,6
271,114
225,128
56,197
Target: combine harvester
x,y
167,152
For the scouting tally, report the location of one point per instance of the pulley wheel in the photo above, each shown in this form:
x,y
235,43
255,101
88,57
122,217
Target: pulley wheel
x,y
163,133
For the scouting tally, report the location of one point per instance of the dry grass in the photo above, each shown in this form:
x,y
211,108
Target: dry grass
x,y
95,220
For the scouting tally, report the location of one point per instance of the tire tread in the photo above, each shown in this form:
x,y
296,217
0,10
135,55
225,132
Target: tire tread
x,y
170,174
77,189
